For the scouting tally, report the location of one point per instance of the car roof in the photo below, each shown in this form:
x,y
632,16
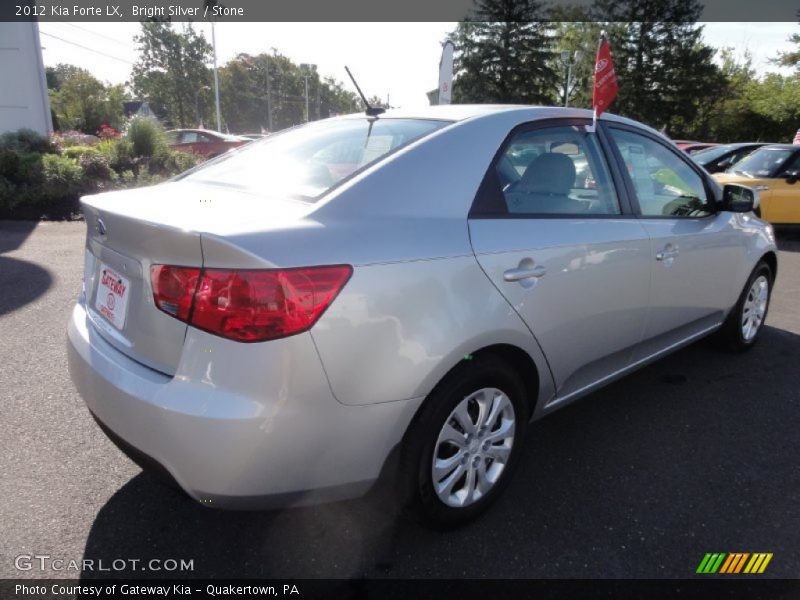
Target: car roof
x,y
462,112
781,147
211,131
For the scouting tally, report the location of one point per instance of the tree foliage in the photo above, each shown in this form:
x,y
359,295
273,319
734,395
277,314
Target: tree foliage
x,y
665,71
246,80
82,102
172,70
504,54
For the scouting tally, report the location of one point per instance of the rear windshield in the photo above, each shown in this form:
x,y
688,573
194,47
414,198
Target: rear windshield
x,y
709,154
305,162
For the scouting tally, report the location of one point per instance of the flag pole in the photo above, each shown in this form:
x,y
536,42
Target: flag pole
x,y
593,127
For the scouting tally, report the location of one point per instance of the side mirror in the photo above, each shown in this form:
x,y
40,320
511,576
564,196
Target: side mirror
x,y
739,198
792,177
725,163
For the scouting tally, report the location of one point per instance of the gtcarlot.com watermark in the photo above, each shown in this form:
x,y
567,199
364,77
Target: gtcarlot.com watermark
x,y
46,562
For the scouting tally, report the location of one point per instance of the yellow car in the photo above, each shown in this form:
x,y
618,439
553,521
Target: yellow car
x,y
774,172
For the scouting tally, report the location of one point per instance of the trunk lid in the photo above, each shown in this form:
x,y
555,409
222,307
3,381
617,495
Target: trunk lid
x,y
129,231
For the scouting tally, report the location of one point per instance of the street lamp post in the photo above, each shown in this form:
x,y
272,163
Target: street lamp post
x,y
569,60
197,102
216,77
307,69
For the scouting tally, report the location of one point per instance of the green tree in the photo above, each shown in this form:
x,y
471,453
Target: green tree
x,y
665,71
172,70
245,80
575,32
81,101
504,54
792,57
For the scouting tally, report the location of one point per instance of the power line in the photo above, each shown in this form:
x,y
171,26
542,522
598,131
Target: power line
x,y
86,48
102,35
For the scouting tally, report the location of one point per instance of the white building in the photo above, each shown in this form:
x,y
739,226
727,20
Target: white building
x,y
23,91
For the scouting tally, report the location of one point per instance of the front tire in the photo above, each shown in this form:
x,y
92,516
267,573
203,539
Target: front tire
x,y
463,445
745,322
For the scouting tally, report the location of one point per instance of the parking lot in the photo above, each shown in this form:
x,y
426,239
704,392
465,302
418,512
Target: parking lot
x,y
697,453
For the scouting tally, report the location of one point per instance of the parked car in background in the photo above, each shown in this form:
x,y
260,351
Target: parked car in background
x,y
690,147
773,171
719,158
253,136
203,141
277,326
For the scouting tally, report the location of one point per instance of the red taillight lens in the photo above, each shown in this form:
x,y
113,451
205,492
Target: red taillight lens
x,y
259,305
173,289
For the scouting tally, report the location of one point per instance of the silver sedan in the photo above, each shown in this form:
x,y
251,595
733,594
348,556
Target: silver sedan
x,y
276,326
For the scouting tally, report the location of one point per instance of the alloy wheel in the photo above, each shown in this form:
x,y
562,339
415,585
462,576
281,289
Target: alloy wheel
x,y
473,447
755,308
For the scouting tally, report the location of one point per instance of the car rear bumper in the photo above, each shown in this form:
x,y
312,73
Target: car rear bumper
x,y
239,425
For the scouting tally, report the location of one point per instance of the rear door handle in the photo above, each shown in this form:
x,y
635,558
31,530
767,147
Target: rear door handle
x,y
669,251
522,273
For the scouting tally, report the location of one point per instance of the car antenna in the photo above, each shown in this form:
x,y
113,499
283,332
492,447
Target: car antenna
x,y
372,111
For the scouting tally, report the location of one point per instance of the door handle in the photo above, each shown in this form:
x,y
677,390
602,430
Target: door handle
x,y
668,252
522,273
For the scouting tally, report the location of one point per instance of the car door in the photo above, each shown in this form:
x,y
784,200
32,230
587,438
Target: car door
x,y
695,250
783,204
551,231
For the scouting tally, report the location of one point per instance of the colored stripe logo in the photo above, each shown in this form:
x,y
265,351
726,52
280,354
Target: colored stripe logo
x,y
734,563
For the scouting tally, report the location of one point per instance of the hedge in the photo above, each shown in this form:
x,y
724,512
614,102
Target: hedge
x,y
45,178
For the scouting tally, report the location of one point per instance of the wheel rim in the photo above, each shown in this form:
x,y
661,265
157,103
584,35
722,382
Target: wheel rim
x,y
755,308
473,447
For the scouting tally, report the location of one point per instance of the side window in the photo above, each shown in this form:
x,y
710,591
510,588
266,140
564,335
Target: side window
x,y
188,137
792,164
552,171
665,185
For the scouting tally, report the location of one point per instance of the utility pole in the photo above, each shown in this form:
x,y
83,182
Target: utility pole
x,y
306,69
269,100
216,76
569,60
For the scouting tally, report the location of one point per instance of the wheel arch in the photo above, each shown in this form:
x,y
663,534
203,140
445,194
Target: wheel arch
x,y
518,359
772,261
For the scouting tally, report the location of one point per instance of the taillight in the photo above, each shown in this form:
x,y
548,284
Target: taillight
x,y
173,289
259,305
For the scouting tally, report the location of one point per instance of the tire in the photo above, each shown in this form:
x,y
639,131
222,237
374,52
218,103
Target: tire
x,y
752,307
485,456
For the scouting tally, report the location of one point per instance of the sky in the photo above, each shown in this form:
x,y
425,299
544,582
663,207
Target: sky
x,y
395,60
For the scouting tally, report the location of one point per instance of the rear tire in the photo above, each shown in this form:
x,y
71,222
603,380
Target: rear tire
x,y
746,320
462,447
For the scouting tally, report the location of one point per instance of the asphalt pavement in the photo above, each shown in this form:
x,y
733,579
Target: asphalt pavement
x,y
697,453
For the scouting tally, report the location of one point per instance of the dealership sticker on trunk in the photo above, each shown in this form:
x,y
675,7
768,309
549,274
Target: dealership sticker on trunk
x,y
112,296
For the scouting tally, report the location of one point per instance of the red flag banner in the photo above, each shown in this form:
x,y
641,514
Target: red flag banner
x,y
605,79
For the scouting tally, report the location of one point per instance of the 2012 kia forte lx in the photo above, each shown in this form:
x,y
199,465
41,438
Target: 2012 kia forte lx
x,y
271,327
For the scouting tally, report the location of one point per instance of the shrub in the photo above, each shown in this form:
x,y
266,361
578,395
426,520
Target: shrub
x,y
67,139
9,163
172,162
146,136
118,154
62,178
77,151
26,140
94,163
106,131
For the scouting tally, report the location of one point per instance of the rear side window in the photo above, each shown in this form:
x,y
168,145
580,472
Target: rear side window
x,y
305,162
665,185
549,171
